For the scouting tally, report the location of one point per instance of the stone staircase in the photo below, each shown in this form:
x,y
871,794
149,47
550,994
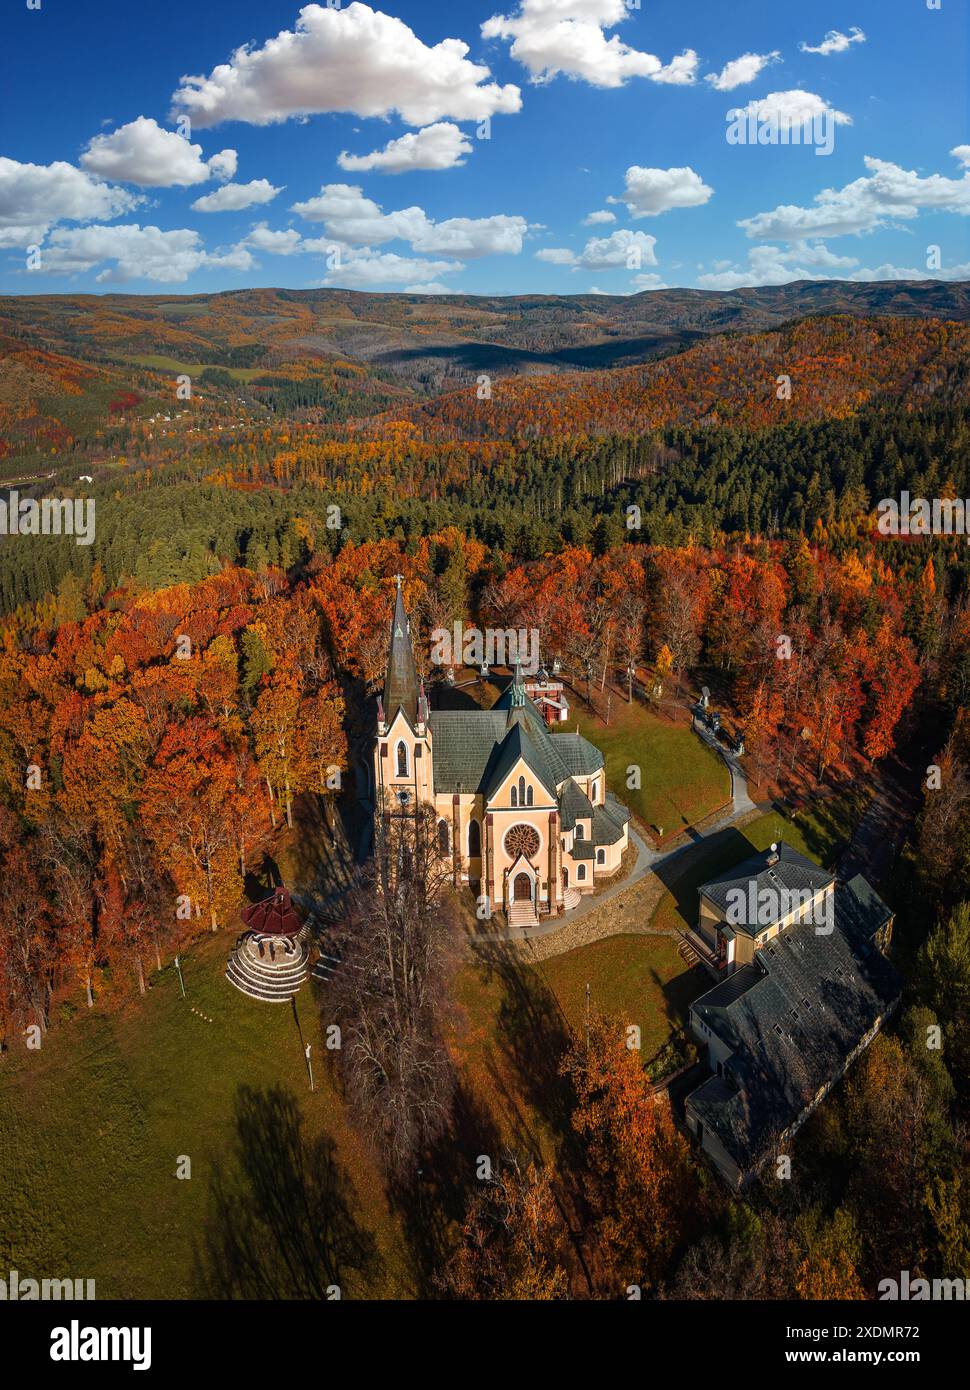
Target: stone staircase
x,y
273,979
522,914
571,898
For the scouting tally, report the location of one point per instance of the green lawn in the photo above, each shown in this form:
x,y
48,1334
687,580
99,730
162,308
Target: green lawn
x,y
637,979
818,833
93,1125
681,779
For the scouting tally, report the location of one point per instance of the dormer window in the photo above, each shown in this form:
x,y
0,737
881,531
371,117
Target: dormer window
x,y
578,833
402,759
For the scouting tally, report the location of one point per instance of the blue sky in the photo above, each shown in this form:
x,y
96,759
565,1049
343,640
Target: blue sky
x,y
345,146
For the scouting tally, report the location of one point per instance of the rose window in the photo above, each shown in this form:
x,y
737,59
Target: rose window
x,y
521,839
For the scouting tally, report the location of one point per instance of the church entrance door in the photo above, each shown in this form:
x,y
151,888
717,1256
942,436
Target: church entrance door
x,y
522,888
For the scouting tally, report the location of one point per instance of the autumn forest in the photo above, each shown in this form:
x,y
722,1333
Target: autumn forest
x,y
194,695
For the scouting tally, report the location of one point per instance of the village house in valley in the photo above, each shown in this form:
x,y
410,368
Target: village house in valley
x,y
802,988
523,812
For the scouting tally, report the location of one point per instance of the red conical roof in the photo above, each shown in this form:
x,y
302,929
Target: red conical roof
x,y
273,916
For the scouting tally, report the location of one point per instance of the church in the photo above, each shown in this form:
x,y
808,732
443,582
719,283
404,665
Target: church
x,y
523,812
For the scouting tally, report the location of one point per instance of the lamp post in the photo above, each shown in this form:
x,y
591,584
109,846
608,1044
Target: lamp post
x,y
309,1064
178,968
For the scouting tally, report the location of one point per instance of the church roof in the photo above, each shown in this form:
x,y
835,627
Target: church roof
x,y
474,750
401,678
575,805
517,744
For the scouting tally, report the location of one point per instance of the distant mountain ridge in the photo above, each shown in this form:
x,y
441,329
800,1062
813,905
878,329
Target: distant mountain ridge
x,y
443,335
73,365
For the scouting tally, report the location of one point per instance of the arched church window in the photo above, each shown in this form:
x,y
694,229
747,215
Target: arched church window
x,y
444,838
601,856
528,795
402,759
521,791
515,795
580,871
579,834
474,840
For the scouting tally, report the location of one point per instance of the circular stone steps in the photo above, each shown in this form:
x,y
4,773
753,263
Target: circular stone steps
x,y
271,979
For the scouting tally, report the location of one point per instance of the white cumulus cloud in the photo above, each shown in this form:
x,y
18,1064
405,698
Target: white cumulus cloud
x,y
552,37
835,42
599,218
355,59
439,146
777,265
33,197
650,192
364,268
131,252
144,153
741,70
886,193
786,110
283,243
351,218
232,197
620,250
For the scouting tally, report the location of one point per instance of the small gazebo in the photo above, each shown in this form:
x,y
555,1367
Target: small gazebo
x,y
271,958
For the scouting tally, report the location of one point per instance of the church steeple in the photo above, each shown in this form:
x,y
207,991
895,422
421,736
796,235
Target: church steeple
x,y
518,687
518,700
401,678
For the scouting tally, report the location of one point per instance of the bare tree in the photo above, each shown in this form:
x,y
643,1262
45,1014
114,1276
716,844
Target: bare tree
x,y
397,946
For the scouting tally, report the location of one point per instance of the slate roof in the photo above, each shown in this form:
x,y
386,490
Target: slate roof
x,y
467,747
518,744
401,677
574,806
606,829
579,757
863,912
791,872
791,1019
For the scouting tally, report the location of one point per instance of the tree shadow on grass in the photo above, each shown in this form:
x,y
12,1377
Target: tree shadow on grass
x,y
533,1037
683,874
432,1204
281,1221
